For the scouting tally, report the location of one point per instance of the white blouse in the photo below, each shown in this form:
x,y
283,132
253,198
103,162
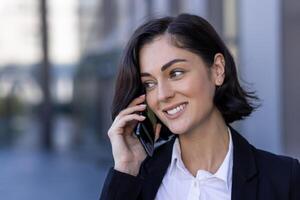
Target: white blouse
x,y
179,184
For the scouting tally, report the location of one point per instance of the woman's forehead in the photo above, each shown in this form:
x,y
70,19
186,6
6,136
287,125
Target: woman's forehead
x,y
161,52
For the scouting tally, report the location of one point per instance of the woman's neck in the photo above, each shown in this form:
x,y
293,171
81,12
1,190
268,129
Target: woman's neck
x,y
205,147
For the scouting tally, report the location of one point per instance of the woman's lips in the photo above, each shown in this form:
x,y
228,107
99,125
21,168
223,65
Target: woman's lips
x,y
175,111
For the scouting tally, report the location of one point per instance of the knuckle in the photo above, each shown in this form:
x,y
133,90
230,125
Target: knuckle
x,y
109,133
116,118
121,113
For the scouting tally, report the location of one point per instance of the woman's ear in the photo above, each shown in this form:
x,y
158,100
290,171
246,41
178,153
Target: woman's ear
x,y
218,69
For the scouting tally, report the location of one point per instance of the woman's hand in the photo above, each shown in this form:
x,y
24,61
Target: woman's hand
x,y
128,153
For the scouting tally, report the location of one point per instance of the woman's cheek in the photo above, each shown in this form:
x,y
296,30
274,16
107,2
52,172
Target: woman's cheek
x,y
150,100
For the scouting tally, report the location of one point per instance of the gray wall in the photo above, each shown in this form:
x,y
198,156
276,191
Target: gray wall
x,y
260,64
291,72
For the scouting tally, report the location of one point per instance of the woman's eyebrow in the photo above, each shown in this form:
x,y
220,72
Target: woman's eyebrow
x,y
166,66
170,63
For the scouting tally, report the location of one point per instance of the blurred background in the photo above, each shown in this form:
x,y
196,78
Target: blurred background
x,y
58,61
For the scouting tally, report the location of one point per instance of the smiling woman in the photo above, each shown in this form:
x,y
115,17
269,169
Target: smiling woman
x,y
188,80
182,90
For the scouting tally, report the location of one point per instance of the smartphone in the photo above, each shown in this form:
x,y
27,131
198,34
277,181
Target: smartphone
x,y
145,131
146,134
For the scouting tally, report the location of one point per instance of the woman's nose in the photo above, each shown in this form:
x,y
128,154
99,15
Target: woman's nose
x,y
165,92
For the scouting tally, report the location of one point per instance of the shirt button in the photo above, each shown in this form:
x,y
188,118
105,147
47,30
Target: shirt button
x,y
195,183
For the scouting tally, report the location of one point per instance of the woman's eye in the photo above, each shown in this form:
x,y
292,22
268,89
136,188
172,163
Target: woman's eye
x,y
176,73
148,85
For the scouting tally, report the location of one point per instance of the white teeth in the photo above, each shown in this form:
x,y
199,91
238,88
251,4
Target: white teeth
x,y
175,110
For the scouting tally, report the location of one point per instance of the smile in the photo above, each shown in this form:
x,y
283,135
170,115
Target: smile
x,y
174,112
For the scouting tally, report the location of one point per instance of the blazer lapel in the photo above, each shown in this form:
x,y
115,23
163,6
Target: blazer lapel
x,y
244,176
155,168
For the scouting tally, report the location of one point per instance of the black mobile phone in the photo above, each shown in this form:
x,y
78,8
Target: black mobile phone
x,y
145,131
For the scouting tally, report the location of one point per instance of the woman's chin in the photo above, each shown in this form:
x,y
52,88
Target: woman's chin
x,y
177,130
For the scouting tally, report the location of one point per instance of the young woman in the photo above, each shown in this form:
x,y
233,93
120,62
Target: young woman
x,y
191,84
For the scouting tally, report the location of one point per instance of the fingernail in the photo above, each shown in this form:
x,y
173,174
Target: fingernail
x,y
143,105
142,95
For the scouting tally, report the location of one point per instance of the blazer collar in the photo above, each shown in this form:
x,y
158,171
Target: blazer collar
x,y
244,176
154,168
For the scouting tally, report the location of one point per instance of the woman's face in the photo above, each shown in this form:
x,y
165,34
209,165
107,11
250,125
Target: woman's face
x,y
179,86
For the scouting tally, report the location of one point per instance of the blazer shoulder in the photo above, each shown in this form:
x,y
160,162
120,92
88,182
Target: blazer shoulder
x,y
265,158
282,167
279,170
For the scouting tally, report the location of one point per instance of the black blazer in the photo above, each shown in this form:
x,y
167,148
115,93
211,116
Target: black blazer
x,y
257,175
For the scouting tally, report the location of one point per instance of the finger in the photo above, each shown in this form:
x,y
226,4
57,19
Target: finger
x,y
133,109
125,124
137,100
157,131
129,118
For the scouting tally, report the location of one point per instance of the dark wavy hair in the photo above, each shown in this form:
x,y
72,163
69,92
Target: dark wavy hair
x,y
196,35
